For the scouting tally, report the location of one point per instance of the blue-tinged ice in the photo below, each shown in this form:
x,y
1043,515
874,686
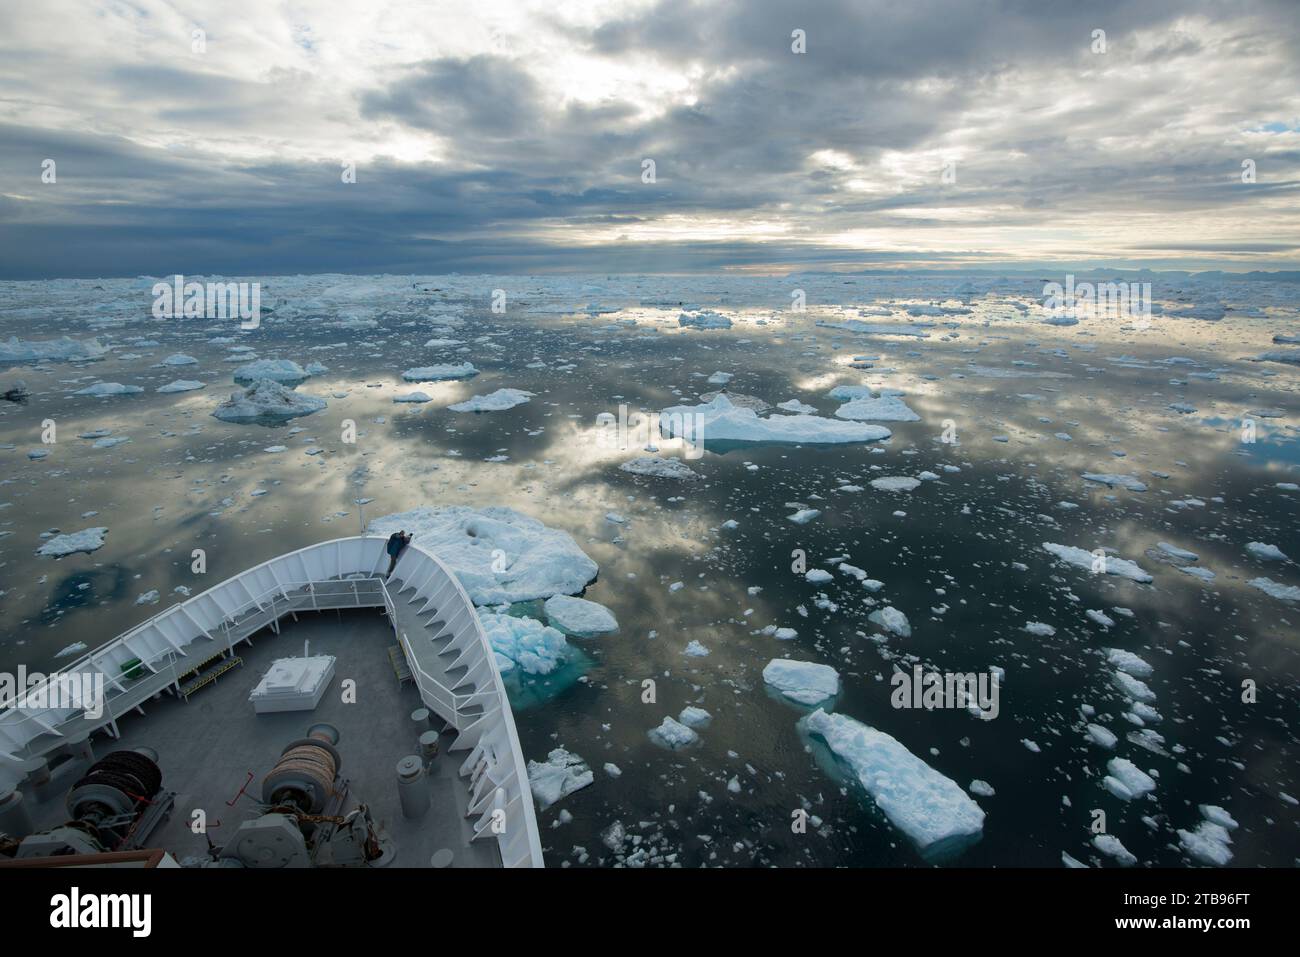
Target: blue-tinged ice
x,y
930,808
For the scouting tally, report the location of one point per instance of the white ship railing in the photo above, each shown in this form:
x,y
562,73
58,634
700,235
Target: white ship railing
x,y
156,654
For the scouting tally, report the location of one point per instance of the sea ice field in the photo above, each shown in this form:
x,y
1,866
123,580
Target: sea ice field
x,y
699,616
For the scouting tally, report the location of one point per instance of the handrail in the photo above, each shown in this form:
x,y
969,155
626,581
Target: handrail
x,y
197,617
173,608
269,594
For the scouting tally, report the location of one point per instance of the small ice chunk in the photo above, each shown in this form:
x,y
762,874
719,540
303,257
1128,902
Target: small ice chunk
x,y
1102,736
892,620
694,717
1110,845
673,735
1126,780
1208,844
559,776
1133,688
1265,553
1129,662
895,483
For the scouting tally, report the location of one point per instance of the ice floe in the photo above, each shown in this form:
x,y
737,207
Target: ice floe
x,y
440,372
892,620
673,734
1277,590
886,407
1130,482
535,561
659,467
1109,564
1265,553
577,616
86,540
106,389
721,421
929,807
806,682
498,401
1126,780
895,483
703,320
557,777
181,385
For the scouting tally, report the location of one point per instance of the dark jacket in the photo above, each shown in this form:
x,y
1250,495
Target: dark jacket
x,y
395,543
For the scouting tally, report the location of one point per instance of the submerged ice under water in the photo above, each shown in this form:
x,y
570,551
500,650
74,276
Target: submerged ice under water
x,y
965,540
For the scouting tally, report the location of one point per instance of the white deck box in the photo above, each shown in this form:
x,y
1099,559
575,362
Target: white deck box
x,y
293,684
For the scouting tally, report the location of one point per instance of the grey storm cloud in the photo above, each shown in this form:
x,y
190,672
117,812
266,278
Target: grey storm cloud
x,y
774,159
481,96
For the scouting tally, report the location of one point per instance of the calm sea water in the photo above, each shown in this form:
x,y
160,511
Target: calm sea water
x,y
961,556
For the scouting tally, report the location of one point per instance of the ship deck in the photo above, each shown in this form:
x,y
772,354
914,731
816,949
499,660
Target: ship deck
x,y
209,745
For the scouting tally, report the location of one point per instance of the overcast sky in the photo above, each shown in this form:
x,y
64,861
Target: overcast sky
x,y
510,136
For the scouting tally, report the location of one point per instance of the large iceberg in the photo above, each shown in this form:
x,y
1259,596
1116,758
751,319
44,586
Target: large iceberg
x,y
268,401
534,561
721,421
931,809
